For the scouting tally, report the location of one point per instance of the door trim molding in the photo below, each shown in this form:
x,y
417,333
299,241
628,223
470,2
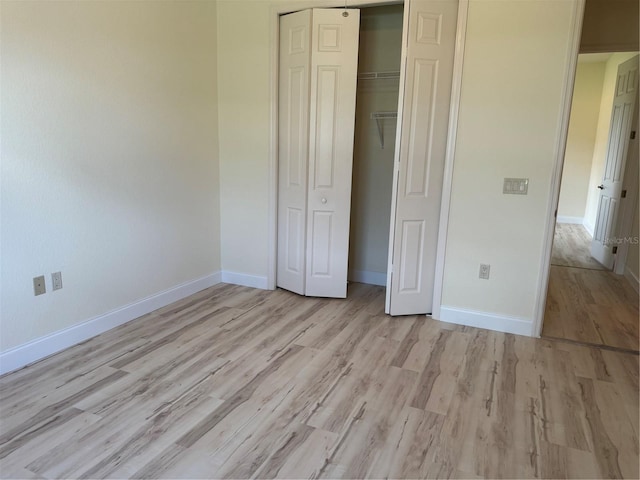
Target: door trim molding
x,y
452,135
561,142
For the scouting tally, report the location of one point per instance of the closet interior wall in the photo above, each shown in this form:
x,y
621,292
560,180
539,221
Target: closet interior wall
x,y
380,51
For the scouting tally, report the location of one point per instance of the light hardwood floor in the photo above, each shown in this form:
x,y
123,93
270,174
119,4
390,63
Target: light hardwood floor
x,y
241,383
592,306
571,247
586,303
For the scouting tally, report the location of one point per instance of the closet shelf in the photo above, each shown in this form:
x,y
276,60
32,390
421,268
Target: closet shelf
x,y
379,117
378,75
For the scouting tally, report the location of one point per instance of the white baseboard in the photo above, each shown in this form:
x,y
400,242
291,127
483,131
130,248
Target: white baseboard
x,y
590,228
371,278
565,219
633,280
490,321
246,280
40,348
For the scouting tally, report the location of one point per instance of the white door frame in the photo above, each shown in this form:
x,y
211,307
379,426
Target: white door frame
x,y
275,12
561,143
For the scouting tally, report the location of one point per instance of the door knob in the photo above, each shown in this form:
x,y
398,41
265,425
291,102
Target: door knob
x,y
601,187
324,200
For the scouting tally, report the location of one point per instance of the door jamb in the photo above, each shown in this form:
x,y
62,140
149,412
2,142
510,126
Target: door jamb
x,y
561,143
452,135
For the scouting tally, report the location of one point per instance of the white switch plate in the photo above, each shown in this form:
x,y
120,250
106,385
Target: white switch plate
x,y
56,280
515,186
485,270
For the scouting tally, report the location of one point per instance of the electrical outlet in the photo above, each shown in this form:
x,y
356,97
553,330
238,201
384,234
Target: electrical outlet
x,y
484,271
56,280
38,285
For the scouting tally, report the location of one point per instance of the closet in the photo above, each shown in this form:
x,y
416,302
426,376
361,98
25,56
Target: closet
x,y
348,211
374,142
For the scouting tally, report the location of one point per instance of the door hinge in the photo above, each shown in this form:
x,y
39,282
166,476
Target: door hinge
x,y
633,135
623,194
614,250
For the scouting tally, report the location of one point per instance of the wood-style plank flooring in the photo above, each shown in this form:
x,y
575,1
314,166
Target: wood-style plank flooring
x,y
571,247
241,383
592,306
586,303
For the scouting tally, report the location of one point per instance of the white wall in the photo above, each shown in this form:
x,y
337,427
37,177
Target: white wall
x,y
585,108
602,136
244,132
516,59
380,49
109,156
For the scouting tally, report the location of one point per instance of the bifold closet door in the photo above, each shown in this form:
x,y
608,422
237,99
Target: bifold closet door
x,y
429,71
293,149
318,79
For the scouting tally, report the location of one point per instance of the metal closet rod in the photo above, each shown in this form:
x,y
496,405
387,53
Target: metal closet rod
x,y
378,75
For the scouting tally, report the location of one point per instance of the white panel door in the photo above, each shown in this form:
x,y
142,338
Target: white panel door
x,y
334,65
429,71
624,102
293,147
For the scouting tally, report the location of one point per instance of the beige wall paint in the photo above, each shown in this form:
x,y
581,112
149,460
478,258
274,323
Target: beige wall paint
x,y
585,108
244,130
109,156
602,136
380,48
516,59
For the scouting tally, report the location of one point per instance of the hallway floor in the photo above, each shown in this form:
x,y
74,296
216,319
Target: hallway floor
x,y
585,304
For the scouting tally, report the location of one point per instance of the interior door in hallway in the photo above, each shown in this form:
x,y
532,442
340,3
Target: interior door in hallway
x,y
418,192
316,149
622,115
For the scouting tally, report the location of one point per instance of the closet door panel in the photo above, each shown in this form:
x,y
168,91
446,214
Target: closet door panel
x,y
334,61
430,49
293,145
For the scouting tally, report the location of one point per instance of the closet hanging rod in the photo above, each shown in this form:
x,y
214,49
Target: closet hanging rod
x,y
378,75
379,117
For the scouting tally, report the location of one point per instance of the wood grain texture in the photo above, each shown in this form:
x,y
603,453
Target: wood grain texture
x,y
241,383
572,247
592,307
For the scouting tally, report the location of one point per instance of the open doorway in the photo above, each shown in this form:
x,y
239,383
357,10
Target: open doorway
x,y
591,300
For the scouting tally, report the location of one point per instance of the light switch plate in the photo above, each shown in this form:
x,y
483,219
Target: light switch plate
x,y
56,280
515,186
485,270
